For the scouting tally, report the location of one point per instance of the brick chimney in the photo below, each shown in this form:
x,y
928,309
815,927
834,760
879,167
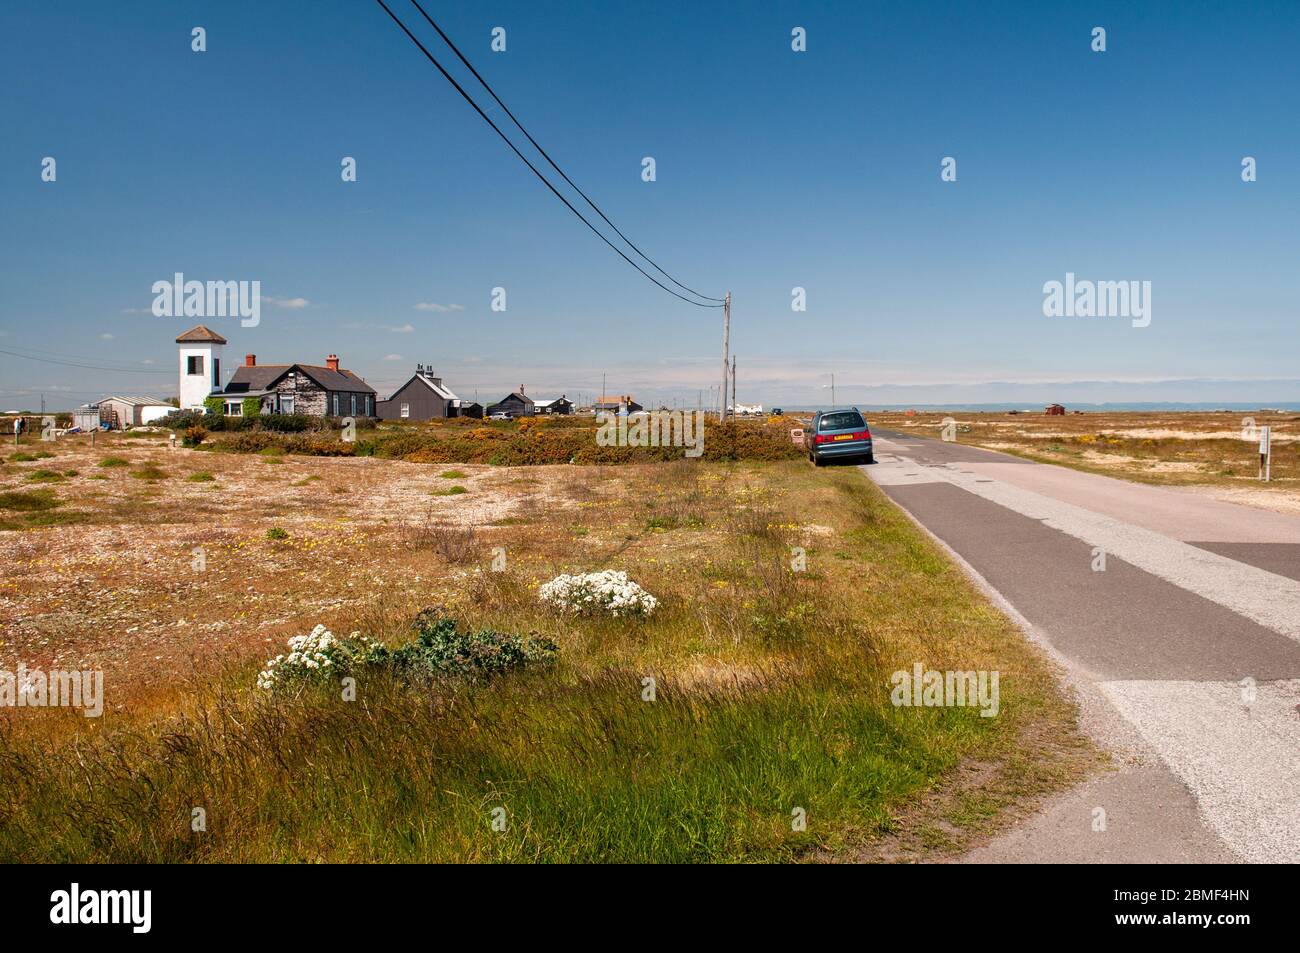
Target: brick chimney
x,y
250,360
332,362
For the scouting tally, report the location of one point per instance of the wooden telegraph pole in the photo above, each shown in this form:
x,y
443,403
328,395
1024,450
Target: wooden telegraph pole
x,y
726,356
733,385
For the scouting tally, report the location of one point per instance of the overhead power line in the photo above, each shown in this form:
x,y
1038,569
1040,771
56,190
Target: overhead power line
x,y
546,155
92,367
545,181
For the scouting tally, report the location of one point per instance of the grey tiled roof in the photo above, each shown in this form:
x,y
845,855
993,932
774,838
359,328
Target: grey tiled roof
x,y
262,377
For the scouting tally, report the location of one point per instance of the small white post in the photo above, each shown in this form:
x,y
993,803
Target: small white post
x,y
1265,454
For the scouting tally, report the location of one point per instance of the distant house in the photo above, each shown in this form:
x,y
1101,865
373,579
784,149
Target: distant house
x,y
516,404
1054,410
123,412
312,389
425,397
620,404
556,405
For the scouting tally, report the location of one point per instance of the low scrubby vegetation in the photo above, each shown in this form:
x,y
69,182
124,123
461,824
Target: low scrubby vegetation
x,y
756,693
530,442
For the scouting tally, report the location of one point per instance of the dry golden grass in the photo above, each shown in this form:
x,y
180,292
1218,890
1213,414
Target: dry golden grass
x,y
1217,451
790,668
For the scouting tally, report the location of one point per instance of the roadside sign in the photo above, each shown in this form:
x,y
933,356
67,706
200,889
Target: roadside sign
x,y
1265,453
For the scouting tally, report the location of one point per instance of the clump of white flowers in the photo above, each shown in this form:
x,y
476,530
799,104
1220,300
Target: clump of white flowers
x,y
308,655
609,591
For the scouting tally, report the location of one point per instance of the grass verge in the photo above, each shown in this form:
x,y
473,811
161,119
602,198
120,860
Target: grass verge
x,y
754,696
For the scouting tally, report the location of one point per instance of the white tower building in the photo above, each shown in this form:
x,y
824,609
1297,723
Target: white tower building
x,y
200,365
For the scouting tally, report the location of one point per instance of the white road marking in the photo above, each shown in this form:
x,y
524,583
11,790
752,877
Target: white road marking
x,y
1240,759
1271,600
1242,762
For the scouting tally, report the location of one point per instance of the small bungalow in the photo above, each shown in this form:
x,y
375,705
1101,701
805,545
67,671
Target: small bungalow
x,y
620,404
119,413
556,405
312,389
1054,410
425,397
516,404
320,391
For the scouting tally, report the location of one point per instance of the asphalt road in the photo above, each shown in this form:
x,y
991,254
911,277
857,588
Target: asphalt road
x,y
1177,620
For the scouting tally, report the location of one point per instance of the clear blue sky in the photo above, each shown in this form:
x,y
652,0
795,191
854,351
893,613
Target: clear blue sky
x,y
775,169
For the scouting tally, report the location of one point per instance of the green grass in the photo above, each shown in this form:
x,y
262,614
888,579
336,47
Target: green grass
x,y
693,778
111,462
201,476
772,694
149,472
35,509
22,457
305,480
28,501
452,475
45,476
449,491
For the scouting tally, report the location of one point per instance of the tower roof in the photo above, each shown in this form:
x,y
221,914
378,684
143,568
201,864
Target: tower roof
x,y
200,334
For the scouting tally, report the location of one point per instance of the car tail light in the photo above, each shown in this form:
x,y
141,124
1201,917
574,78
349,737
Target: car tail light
x,y
831,437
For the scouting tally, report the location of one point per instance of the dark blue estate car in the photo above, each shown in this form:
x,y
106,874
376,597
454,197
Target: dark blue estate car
x,y
837,435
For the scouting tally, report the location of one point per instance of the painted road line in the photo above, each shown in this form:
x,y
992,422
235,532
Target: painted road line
x,y
1269,599
1241,760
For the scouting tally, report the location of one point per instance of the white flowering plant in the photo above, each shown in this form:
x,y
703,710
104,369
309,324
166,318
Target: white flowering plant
x,y
440,649
315,657
609,591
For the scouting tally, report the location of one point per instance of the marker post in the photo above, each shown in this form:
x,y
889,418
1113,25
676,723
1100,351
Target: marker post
x,y
1265,454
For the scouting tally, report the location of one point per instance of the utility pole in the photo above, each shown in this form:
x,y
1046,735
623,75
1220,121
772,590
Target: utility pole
x,y
733,385
726,356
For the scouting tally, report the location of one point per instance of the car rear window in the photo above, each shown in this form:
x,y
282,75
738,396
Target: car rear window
x,y
842,420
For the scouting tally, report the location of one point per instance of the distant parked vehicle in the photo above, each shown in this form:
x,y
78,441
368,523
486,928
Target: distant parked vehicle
x,y
500,417
838,434
776,412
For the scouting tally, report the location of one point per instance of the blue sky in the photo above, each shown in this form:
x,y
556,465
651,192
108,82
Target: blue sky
x,y
775,169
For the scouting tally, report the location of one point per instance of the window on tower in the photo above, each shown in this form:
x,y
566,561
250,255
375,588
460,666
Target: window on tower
x,y
194,364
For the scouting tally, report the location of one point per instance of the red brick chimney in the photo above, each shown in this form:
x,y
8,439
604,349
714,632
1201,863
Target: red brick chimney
x,y
332,362
250,360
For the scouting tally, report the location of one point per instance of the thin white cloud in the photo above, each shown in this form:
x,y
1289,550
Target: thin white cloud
x,y
440,308
293,304
106,336
393,357
393,328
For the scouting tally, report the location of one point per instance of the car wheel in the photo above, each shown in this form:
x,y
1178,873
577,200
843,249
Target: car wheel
x,y
818,461
871,458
